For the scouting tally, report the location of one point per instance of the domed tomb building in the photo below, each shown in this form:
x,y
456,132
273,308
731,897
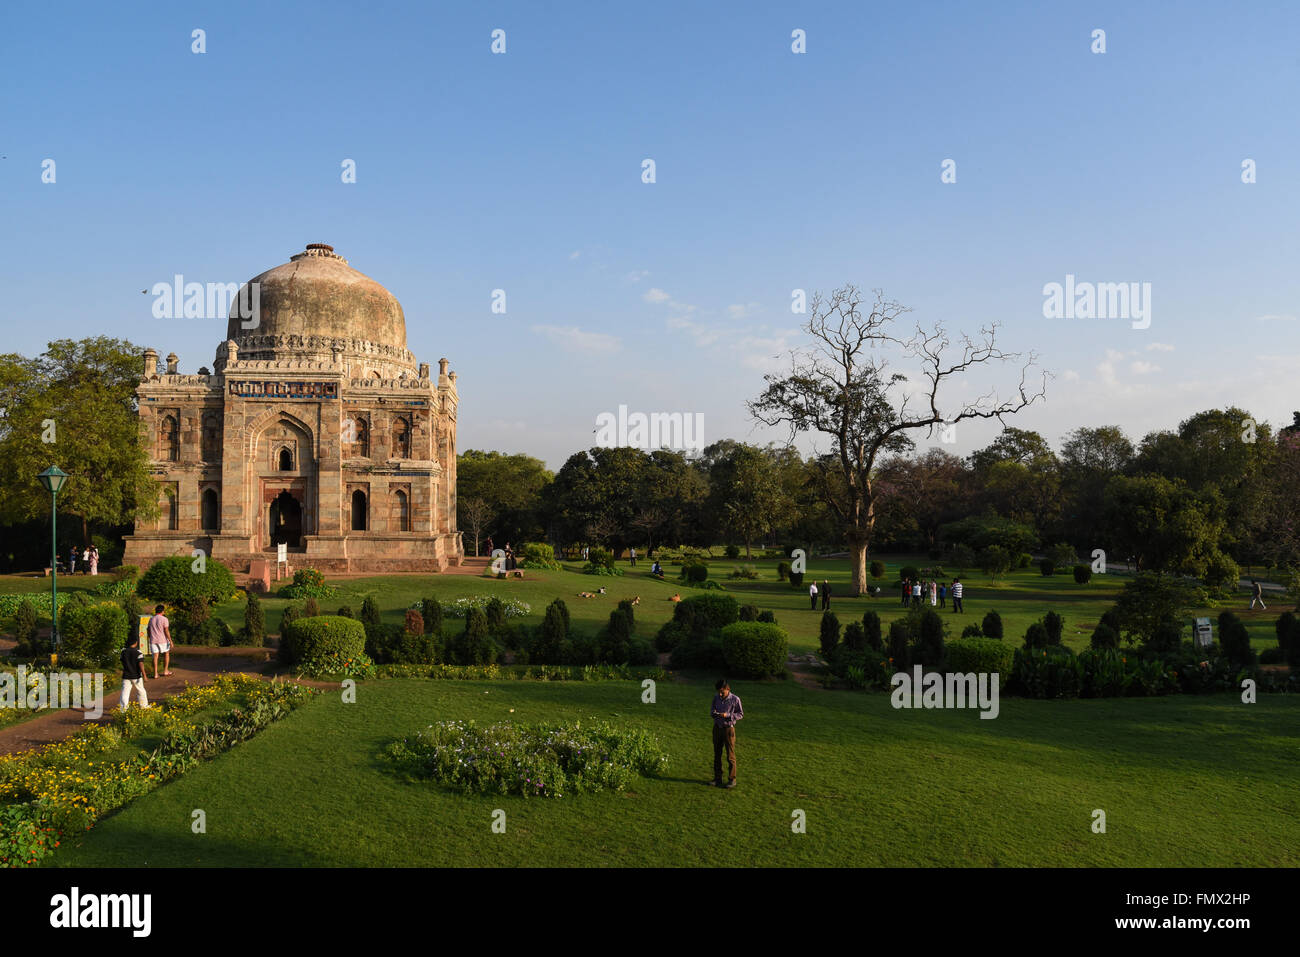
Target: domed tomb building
x,y
316,429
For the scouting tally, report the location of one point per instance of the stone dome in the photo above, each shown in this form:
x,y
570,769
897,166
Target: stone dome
x,y
317,305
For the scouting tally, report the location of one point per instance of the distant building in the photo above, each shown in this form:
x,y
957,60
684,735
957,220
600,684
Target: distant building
x,y
317,429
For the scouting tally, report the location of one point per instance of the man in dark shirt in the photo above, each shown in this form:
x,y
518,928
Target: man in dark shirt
x,y
726,712
133,673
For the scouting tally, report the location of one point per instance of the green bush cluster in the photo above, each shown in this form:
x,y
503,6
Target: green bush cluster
x,y
174,581
95,634
538,555
980,655
307,583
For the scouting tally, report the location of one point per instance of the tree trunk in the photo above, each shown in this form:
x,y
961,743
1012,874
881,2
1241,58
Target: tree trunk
x,y
858,554
746,549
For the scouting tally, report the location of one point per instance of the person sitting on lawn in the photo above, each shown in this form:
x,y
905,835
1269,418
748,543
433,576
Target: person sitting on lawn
x,y
675,598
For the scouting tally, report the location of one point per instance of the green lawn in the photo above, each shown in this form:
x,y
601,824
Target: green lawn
x,y
1021,598
1185,781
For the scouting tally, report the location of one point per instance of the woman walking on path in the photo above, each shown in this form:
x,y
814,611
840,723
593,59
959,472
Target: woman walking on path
x,y
94,560
934,593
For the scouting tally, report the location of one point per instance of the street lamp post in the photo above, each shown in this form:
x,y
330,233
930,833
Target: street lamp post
x,y
53,479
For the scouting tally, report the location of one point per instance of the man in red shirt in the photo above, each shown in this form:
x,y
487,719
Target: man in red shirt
x,y
726,712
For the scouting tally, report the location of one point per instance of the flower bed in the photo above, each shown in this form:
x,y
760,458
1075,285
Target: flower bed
x,y
461,606
541,760
520,672
65,787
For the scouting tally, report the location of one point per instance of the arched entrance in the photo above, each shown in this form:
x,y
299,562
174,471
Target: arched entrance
x,y
286,520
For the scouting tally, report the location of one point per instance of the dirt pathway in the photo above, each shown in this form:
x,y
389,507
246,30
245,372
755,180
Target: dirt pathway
x,y
198,668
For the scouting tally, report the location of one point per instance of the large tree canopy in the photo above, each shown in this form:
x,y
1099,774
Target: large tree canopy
x,y
74,406
842,390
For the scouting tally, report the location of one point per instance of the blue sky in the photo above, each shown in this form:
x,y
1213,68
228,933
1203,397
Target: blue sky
x,y
775,171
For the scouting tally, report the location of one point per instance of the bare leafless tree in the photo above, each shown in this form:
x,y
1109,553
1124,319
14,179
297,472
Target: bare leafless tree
x,y
842,388
475,513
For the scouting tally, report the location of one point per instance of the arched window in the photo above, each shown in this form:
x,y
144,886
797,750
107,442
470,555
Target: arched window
x,y
401,511
358,511
170,450
170,519
401,438
211,438
286,460
211,511
356,438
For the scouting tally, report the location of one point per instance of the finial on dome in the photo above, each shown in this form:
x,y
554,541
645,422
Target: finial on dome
x,y
319,251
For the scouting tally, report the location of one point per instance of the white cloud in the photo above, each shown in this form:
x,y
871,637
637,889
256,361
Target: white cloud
x,y
1071,375
1143,368
575,254
1275,317
702,335
656,295
636,275
740,311
578,340
1160,347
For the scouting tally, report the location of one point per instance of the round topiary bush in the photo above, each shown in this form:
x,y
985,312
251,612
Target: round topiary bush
x,y
695,572
1082,574
327,635
1047,567
754,649
991,626
909,573
877,569
1036,636
1104,637
175,581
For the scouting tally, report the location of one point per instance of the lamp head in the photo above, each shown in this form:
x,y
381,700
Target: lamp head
x,y
53,479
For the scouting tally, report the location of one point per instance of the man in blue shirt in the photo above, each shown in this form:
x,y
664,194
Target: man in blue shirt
x,y
726,711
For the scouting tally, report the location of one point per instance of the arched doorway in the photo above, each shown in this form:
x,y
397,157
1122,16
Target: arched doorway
x,y
286,520
211,511
358,511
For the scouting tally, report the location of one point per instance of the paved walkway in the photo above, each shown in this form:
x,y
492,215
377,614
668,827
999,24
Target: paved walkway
x,y
197,668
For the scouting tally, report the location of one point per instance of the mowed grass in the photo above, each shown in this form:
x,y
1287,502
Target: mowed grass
x,y
1183,781
1021,598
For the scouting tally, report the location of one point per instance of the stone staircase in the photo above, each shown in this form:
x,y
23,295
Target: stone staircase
x,y
470,566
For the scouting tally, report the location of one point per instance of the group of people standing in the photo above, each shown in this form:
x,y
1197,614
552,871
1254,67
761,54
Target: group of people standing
x,y
915,592
89,560
824,591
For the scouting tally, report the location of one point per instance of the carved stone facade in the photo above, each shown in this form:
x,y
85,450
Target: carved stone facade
x,y
317,429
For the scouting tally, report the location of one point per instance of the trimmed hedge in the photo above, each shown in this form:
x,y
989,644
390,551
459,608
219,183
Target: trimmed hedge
x,y
980,655
754,649
325,635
